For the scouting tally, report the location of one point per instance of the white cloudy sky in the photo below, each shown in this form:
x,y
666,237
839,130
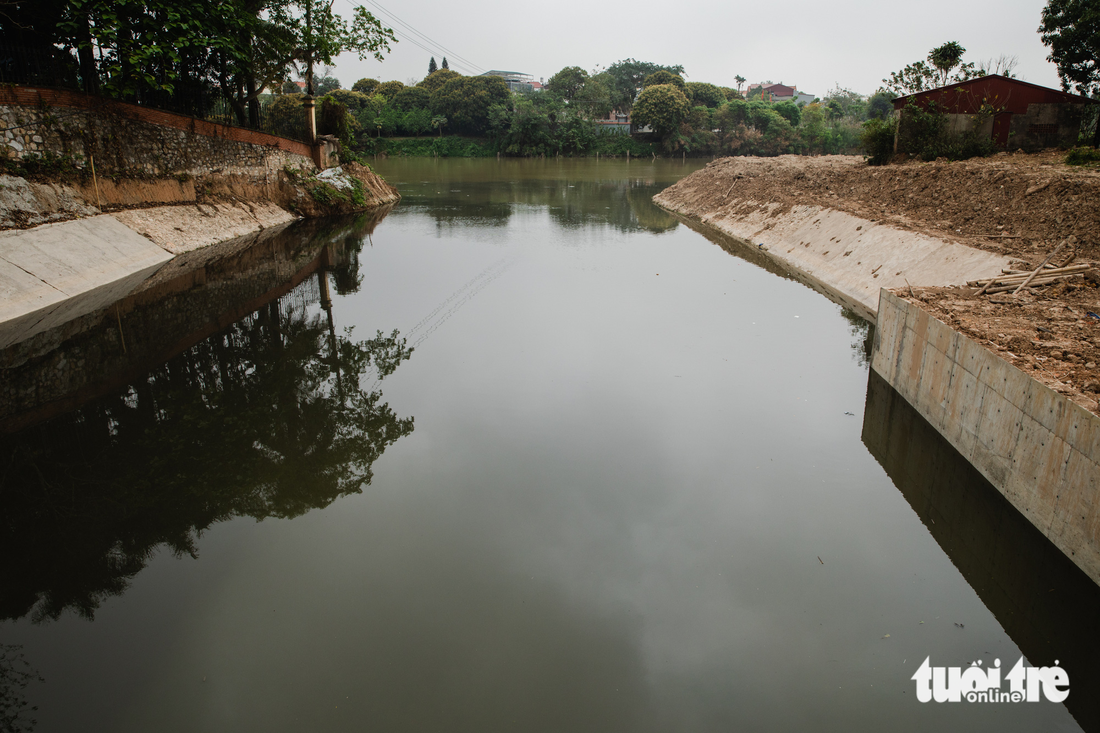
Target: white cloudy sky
x,y
814,44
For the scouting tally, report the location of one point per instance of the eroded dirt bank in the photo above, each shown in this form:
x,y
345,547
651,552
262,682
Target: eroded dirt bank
x,y
1018,208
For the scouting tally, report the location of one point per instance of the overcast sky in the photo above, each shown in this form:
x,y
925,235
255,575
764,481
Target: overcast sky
x,y
809,43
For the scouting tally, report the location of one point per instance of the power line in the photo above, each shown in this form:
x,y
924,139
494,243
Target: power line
x,y
440,46
433,52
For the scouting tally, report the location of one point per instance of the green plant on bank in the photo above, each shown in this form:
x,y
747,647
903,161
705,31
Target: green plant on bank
x,y
48,165
1083,156
925,134
878,140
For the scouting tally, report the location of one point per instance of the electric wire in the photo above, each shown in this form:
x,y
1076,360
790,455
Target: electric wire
x,y
441,49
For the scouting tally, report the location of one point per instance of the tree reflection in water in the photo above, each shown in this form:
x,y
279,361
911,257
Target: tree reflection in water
x,y
267,418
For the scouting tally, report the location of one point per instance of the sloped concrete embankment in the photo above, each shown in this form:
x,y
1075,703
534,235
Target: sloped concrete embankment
x,y
1038,448
848,257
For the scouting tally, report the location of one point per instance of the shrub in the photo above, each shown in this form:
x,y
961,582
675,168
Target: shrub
x,y
1083,156
878,140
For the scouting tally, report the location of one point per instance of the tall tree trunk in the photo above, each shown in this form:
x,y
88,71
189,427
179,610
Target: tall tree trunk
x,y
89,74
239,107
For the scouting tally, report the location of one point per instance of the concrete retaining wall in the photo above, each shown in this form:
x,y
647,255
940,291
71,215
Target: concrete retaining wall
x,y
1039,449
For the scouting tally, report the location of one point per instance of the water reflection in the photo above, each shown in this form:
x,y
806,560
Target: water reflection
x,y
16,674
265,418
187,300
577,195
1048,606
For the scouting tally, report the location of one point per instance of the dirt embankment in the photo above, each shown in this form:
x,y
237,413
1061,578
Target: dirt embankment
x,y
1019,206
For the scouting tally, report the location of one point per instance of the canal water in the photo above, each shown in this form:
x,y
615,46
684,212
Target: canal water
x,y
527,454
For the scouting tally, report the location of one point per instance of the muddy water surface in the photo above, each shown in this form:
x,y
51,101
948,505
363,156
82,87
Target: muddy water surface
x,y
620,482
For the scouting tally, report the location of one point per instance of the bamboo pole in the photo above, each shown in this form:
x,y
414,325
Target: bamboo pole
x,y
99,205
1040,267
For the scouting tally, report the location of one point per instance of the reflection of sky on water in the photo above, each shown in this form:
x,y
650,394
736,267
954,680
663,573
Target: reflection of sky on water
x,y
630,453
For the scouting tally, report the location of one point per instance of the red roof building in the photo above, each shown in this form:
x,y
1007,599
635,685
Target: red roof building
x,y
1015,113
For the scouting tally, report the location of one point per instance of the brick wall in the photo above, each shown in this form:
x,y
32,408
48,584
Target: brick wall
x,y
126,139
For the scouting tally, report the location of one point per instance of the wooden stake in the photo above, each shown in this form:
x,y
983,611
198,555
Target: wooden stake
x,y
91,159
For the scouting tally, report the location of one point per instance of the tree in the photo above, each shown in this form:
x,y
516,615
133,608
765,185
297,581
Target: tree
x,y
789,111
740,80
389,89
365,86
411,98
662,107
445,64
624,80
321,35
921,76
879,106
327,84
567,83
945,58
439,121
432,68
707,95
1072,30
437,79
593,101
663,77
465,101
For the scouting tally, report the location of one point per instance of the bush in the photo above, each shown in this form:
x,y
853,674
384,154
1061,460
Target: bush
x,y
923,133
1083,156
878,140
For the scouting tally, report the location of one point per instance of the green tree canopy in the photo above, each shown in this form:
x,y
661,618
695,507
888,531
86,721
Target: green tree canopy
x,y
354,101
1072,30
437,79
432,68
389,89
326,84
945,58
703,94
663,77
567,83
466,100
365,86
662,107
790,112
411,98
624,80
920,76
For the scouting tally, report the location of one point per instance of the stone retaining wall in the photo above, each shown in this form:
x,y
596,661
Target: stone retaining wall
x,y
128,140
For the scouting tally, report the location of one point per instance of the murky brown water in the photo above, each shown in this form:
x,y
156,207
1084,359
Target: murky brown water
x,y
624,480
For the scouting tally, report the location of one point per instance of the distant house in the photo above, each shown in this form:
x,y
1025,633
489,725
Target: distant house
x,y
782,93
616,121
1015,113
517,81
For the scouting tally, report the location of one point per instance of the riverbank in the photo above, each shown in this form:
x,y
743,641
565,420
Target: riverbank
x,y
1002,377
931,227
89,253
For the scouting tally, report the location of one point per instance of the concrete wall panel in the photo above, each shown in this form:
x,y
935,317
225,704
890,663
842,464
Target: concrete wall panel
x,y
1039,449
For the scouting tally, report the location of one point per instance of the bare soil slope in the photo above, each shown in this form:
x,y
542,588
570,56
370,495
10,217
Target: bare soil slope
x,y
1019,205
